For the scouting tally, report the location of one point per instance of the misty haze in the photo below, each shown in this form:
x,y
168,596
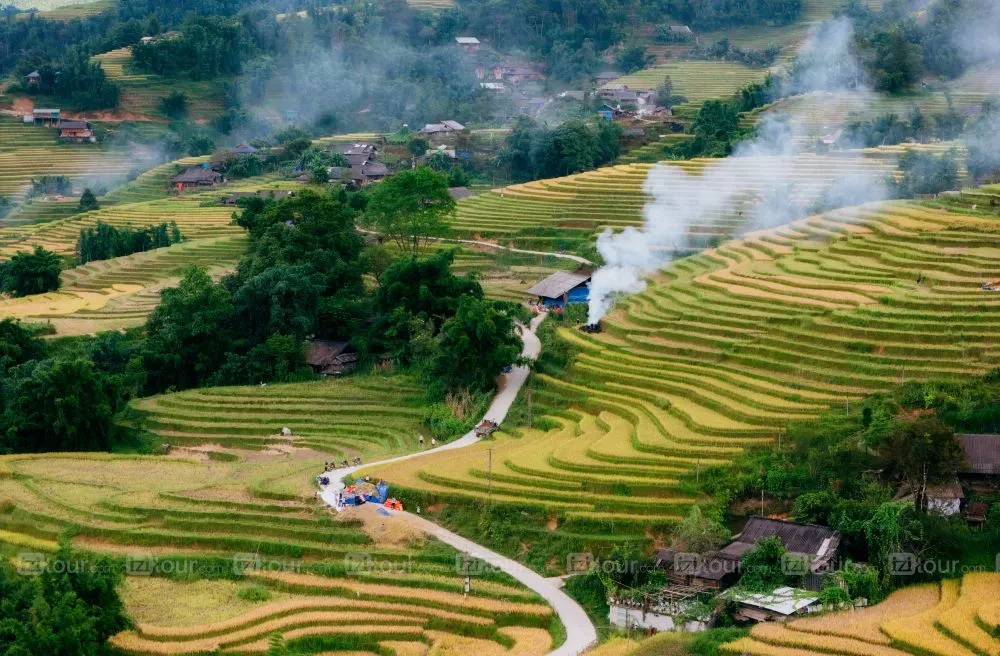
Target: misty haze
x,y
506,328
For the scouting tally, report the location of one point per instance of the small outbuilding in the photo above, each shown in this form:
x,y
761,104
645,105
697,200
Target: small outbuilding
x,y
243,149
46,117
329,358
776,606
469,44
945,499
32,78
197,176
562,287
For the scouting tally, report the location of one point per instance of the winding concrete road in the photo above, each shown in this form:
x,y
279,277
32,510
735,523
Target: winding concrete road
x,y
580,631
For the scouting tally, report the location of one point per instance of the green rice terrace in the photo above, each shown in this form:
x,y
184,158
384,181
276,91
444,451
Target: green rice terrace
x,y
565,213
28,152
141,92
257,551
727,347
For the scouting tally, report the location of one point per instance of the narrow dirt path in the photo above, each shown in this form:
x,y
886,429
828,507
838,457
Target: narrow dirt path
x,y
580,631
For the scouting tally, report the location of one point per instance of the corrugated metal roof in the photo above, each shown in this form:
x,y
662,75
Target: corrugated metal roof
x,y
557,284
785,601
982,453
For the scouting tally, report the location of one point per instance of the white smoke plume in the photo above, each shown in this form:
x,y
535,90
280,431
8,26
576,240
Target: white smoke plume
x,y
682,205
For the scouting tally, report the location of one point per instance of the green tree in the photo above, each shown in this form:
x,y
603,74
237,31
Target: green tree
x,y
59,612
923,452
58,405
88,201
411,207
475,346
31,273
761,567
17,345
632,58
174,105
698,533
188,334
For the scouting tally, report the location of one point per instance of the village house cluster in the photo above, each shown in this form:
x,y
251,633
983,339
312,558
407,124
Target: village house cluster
x,y
70,130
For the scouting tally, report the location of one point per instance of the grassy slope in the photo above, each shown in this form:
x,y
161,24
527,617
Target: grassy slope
x,y
142,92
201,509
727,347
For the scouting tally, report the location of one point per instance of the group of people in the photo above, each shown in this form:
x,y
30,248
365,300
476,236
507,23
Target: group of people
x,y
330,466
434,442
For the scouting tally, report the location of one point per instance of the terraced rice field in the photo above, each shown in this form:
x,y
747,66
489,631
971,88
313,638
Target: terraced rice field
x,y
122,292
823,113
697,80
142,92
27,151
366,416
431,5
504,275
565,213
194,221
725,348
230,519
946,619
65,9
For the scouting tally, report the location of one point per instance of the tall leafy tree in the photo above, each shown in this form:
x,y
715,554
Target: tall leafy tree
x,y
189,333
57,405
411,207
36,272
475,345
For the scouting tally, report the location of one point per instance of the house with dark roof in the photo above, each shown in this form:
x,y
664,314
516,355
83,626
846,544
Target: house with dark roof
x,y
982,455
815,545
459,193
32,78
243,149
519,74
562,287
358,153
443,127
329,358
369,172
197,176
604,77
76,131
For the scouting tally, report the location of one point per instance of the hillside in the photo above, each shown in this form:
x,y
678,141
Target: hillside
x,y
28,152
244,527
141,93
566,213
957,617
728,346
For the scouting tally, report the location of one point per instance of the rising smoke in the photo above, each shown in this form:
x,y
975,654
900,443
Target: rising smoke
x,y
684,206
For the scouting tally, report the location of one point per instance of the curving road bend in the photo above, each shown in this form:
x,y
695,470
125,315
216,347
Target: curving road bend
x,y
580,631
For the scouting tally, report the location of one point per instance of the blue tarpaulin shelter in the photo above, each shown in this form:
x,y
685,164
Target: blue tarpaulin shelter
x,y
562,287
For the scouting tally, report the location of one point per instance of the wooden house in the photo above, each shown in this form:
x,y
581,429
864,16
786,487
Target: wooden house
x,y
76,131
329,358
196,177
46,117
469,44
